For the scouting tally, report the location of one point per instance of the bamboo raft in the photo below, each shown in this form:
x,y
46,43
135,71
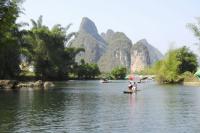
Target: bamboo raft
x,y
130,91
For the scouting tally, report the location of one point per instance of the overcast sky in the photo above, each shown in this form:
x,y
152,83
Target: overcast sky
x,y
161,22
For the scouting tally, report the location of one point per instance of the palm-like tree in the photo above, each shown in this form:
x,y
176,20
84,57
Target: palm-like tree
x,y
195,27
37,24
51,57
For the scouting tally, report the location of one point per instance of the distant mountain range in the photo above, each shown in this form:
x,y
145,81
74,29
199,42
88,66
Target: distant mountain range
x,y
112,49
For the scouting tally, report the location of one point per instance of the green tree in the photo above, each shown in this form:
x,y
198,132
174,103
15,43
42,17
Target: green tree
x,y
94,70
51,59
195,28
9,39
87,70
119,72
168,71
175,63
187,59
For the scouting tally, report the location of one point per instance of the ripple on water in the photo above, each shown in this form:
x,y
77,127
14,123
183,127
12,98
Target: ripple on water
x,y
89,106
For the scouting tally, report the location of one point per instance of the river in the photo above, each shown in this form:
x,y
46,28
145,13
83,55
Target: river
x,y
94,107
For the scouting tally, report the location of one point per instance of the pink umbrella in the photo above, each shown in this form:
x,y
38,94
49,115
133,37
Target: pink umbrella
x,y
130,77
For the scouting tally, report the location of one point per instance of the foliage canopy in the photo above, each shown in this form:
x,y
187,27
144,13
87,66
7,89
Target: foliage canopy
x,y
119,73
175,63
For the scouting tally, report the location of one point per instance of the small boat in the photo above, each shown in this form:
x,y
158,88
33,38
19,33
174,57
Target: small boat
x,y
104,81
130,91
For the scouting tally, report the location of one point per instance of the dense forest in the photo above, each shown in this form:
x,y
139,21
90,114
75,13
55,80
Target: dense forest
x,y
42,47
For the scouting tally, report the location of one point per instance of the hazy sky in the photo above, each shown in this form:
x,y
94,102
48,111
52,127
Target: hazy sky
x,y
161,22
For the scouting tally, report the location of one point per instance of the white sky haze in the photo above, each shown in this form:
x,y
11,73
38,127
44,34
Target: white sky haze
x,y
161,22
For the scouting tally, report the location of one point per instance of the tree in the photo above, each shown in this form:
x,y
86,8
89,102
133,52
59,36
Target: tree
x,y
195,28
70,58
119,72
9,39
94,70
87,71
187,59
51,59
175,63
167,69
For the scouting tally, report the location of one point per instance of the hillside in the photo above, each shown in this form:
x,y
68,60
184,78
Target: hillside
x,y
112,49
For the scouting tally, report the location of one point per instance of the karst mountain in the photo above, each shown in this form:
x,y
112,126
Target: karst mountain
x,y
112,49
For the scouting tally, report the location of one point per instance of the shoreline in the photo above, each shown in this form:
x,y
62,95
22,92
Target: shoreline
x,y
17,84
192,83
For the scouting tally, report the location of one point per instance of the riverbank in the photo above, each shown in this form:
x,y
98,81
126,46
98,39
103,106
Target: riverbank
x,y
15,84
191,83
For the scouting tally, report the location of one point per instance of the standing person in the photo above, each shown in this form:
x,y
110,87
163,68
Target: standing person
x,y
130,86
134,86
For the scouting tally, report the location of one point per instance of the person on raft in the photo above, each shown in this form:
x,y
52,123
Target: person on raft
x,y
132,86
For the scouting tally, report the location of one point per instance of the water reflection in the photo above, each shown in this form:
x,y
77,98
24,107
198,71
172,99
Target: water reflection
x,y
89,106
31,108
132,101
182,108
9,103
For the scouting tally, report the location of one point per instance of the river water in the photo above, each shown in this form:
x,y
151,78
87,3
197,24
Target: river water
x,y
94,107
